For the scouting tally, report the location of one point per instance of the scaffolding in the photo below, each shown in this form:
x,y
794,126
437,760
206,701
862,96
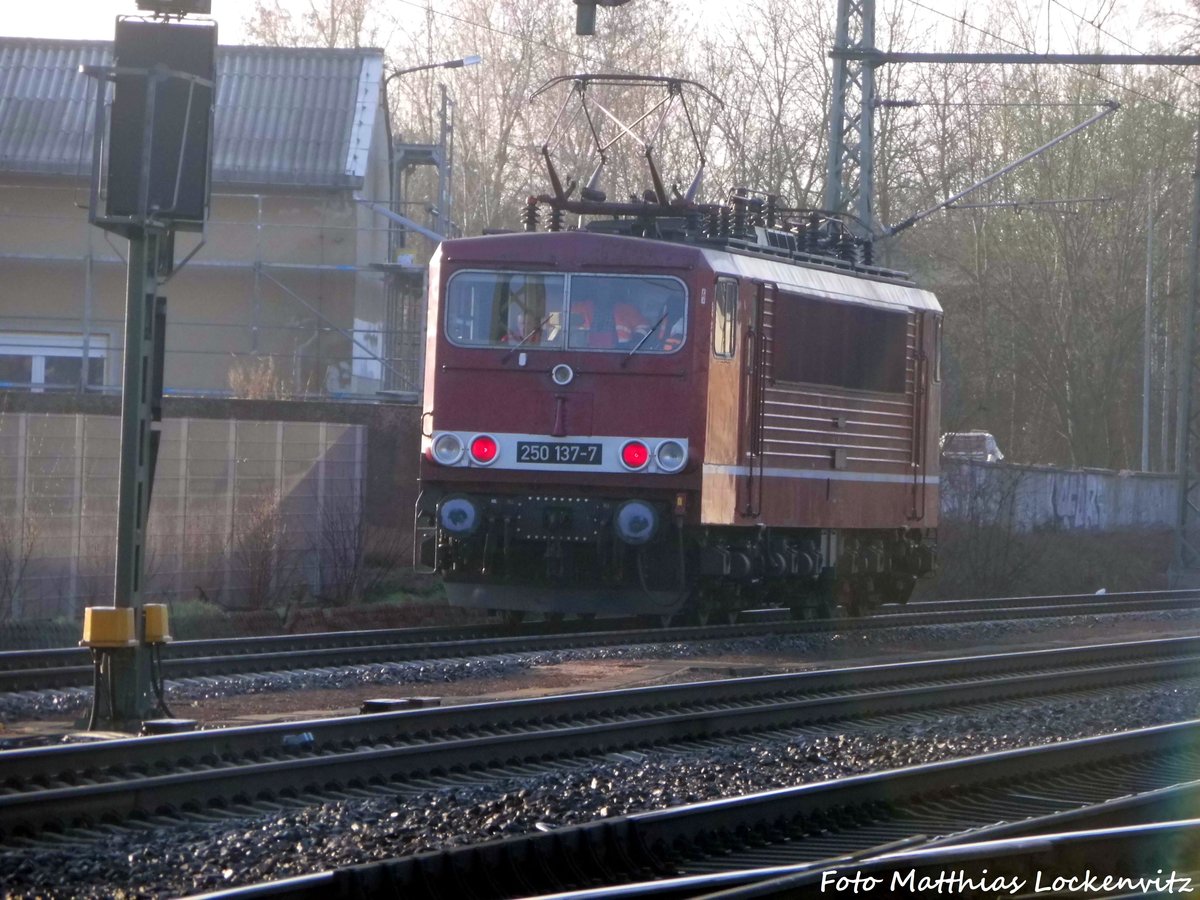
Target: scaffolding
x,y
292,297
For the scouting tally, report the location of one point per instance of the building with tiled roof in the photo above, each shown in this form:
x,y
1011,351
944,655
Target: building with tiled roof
x,y
291,293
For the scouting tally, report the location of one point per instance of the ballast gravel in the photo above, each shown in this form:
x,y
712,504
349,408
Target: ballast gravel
x,y
845,643
192,859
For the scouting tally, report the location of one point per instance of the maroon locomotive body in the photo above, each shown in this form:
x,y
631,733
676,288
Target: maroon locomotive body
x,y
616,423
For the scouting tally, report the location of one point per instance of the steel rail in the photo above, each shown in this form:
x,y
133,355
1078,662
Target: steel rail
x,y
1141,834
59,762
805,829
71,667
1155,858
108,782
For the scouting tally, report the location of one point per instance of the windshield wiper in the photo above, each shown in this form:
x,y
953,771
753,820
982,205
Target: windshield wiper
x,y
645,337
521,343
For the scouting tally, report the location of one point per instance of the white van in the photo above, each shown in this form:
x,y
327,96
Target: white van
x,y
975,445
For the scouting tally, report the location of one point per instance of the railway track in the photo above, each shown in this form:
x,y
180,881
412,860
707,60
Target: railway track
x,y
1155,858
152,782
782,843
71,666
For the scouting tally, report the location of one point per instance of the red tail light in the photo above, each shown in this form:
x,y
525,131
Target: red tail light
x,y
484,449
635,455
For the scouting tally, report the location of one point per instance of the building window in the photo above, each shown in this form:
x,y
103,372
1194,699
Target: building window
x,y
41,361
15,370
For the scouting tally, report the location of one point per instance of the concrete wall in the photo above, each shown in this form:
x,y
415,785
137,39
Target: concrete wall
x,y
1029,498
220,458
244,512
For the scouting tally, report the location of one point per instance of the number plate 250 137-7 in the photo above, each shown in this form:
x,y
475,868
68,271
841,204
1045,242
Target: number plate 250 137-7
x,y
567,454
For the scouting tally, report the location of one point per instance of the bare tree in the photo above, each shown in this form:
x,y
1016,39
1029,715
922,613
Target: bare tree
x,y
332,23
340,548
498,132
1044,302
18,542
979,540
773,71
261,549
1042,337
355,561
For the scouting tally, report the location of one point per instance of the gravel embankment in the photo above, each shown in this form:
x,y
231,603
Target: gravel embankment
x,y
843,645
198,858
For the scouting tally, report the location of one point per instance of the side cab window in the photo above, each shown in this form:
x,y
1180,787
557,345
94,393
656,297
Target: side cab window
x,y
725,302
937,349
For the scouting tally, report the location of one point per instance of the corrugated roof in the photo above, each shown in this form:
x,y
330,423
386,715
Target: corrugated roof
x,y
284,116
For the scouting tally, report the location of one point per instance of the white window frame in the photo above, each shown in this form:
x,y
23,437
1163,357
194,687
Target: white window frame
x,y
39,346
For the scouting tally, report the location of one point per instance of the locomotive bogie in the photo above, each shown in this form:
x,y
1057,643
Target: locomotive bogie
x,y
619,555
556,553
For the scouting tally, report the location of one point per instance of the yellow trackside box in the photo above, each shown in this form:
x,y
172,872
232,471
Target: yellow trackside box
x,y
107,626
158,623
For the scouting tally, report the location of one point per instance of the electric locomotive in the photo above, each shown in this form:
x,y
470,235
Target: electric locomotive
x,y
676,409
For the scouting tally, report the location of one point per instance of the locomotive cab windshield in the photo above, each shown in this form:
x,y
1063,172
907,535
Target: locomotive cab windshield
x,y
584,312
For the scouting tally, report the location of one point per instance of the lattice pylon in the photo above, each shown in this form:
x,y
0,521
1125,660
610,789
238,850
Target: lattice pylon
x,y
849,181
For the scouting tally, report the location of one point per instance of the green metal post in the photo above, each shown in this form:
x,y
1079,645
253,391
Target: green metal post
x,y
134,697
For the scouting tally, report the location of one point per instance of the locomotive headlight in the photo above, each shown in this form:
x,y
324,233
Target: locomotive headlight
x,y
484,449
458,515
447,449
635,522
634,455
671,456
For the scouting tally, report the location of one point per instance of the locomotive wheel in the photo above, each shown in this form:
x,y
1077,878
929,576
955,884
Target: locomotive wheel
x,y
654,620
815,606
852,597
718,601
809,601
822,599
693,612
902,588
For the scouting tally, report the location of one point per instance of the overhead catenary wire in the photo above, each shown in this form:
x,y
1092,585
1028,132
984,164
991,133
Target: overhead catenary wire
x,y
1179,72
1003,40
585,58
427,8
566,51
1022,204
988,104
1109,107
